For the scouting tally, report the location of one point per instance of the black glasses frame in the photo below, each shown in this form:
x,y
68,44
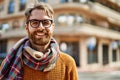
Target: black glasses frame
x,y
40,21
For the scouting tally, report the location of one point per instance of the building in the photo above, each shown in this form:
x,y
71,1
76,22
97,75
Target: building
x,y
88,30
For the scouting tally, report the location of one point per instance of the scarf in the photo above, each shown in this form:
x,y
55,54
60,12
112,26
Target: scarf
x,y
22,53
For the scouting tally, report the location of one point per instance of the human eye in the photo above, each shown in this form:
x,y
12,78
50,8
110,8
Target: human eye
x,y
34,23
46,23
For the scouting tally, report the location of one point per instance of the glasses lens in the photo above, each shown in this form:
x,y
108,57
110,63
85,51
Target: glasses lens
x,y
34,23
46,23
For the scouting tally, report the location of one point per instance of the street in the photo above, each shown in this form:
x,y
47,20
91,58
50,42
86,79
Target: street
x,y
114,75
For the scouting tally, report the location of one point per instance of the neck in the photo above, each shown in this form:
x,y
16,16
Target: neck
x,y
39,48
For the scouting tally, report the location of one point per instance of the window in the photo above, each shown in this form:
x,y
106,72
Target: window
x,y
64,1
62,20
83,1
0,26
93,55
92,48
3,49
75,0
93,22
11,7
92,0
4,26
69,19
114,55
22,5
115,46
66,20
79,19
71,48
1,7
15,24
115,28
42,0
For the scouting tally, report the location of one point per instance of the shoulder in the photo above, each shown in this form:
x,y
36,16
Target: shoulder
x,y
66,59
70,67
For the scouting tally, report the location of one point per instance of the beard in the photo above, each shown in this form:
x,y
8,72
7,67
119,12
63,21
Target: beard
x,y
40,41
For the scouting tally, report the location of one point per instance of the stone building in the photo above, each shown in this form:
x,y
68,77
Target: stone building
x,y
88,30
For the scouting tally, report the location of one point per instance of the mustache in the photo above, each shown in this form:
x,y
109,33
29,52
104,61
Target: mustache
x,y
42,31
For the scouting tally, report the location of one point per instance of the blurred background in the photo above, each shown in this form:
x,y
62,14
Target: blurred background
x,y
88,30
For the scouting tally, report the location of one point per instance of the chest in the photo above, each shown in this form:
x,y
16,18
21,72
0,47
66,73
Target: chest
x,y
58,73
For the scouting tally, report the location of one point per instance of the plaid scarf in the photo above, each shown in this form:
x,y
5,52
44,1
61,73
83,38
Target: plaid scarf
x,y
38,60
13,64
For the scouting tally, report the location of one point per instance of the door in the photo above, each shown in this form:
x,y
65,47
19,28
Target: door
x,y
105,54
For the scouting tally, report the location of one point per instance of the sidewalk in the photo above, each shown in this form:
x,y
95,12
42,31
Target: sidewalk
x,y
113,75
105,69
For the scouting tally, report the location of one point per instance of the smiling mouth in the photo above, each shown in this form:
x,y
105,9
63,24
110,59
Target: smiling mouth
x,y
40,35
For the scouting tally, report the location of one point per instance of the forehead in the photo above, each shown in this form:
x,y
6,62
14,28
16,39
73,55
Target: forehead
x,y
39,14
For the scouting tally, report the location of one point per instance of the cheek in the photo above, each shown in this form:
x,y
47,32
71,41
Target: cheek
x,y
50,30
29,30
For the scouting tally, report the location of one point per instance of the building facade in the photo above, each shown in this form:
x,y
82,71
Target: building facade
x,y
85,29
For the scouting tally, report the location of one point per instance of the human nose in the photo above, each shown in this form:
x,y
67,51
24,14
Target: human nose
x,y
41,25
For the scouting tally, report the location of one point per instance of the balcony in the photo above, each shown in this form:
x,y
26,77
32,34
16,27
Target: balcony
x,y
89,30
111,15
82,29
13,33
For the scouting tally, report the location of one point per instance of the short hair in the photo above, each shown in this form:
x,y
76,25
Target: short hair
x,y
42,6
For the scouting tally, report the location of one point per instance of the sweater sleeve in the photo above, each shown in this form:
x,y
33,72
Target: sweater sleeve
x,y
73,72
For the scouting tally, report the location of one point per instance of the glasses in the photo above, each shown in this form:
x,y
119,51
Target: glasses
x,y
36,23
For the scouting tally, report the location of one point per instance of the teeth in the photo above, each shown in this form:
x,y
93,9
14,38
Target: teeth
x,y
40,34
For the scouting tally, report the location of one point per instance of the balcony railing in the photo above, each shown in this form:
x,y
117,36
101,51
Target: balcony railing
x,y
87,29
82,29
13,33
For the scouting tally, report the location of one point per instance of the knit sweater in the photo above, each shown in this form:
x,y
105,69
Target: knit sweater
x,y
65,69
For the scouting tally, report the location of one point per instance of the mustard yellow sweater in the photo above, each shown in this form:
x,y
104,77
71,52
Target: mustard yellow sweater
x,y
65,69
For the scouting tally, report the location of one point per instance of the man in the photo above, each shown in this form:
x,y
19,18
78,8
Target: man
x,y
37,57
